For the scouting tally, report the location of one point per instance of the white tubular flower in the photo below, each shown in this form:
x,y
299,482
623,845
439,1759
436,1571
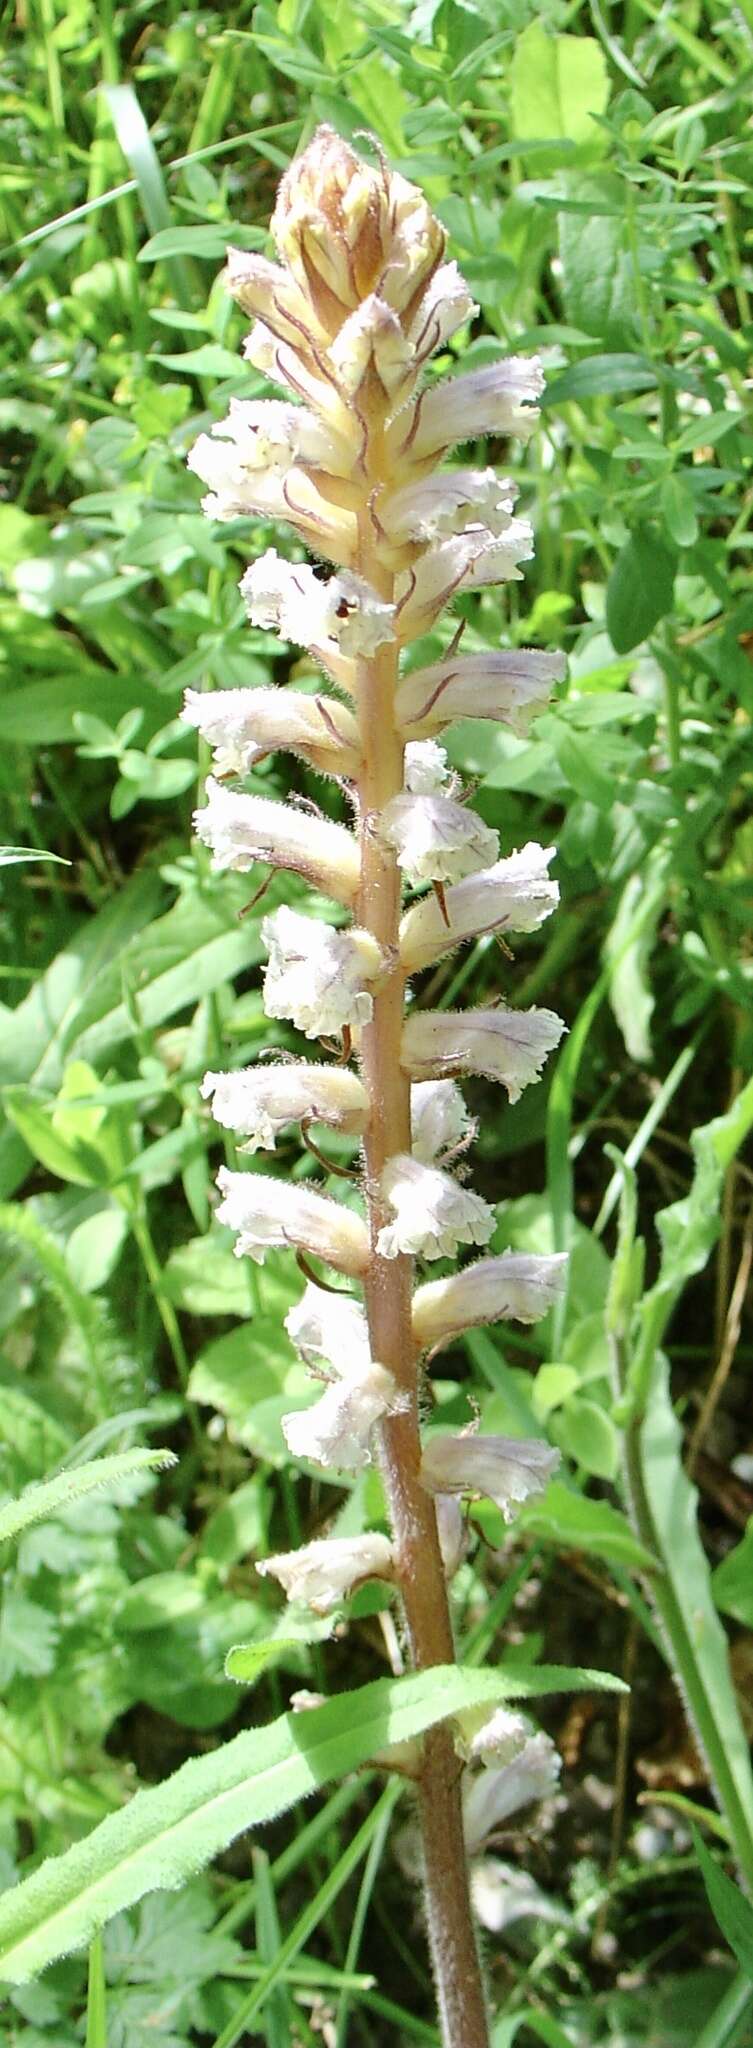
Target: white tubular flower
x,y
515,895
293,498
371,344
437,839
517,1287
452,1530
242,726
336,1432
323,1325
257,1102
447,502
500,399
433,1215
425,768
466,561
325,1572
504,1469
241,830
508,1046
490,1738
444,307
439,1119
290,598
491,1796
510,688
257,436
266,1213
317,976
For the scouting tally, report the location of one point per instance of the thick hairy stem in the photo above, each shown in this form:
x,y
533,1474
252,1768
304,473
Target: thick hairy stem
x,y
387,1290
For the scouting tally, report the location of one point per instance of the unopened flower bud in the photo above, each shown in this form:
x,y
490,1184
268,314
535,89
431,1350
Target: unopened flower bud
x,y
371,353
326,1572
504,1469
443,307
518,1287
515,895
258,1102
243,725
241,830
439,1119
509,1046
509,687
317,976
266,1213
432,1213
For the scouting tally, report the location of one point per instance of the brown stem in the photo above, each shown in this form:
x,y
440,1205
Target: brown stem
x,y
387,1290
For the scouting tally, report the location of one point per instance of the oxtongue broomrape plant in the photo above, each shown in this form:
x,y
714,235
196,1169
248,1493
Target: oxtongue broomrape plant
x,y
353,459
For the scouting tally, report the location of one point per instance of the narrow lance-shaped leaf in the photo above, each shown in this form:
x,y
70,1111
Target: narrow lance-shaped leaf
x,y
172,1830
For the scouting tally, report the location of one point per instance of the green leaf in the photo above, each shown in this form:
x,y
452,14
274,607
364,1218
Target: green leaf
x,y
558,84
169,1832
597,270
246,1662
12,856
601,377
640,590
41,1501
678,511
731,1909
573,1522
207,241
732,1581
630,993
589,1437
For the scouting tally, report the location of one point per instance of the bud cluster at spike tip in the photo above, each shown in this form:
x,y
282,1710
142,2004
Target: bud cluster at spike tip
x,y
345,322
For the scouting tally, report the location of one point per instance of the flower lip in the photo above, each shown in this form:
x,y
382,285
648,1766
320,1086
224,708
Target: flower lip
x,y
432,1214
318,976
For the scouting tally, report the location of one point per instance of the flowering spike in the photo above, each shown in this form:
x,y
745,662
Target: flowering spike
x,y
348,459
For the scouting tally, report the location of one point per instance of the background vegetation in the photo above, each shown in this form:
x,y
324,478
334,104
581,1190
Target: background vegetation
x,y
592,164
